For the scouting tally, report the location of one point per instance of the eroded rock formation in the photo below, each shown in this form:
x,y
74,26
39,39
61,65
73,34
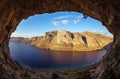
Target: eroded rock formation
x,y
106,11
66,41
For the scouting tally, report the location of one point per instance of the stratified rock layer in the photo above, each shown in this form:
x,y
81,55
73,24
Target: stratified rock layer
x,y
106,11
66,41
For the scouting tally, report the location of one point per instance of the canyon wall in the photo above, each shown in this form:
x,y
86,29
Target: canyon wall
x,y
106,11
63,40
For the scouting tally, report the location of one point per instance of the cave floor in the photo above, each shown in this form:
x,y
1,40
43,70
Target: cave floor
x,y
74,73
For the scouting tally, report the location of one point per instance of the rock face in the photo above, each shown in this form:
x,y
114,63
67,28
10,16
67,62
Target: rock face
x,y
17,39
106,11
66,41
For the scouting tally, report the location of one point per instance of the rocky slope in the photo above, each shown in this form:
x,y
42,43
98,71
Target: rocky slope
x,y
66,41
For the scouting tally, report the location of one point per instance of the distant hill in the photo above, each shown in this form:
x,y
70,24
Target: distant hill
x,y
66,41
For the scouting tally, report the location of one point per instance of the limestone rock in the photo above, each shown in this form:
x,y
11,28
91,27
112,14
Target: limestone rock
x,y
16,39
66,41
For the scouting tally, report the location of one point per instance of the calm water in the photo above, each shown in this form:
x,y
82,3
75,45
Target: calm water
x,y
39,58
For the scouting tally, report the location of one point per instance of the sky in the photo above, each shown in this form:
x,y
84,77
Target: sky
x,y
38,24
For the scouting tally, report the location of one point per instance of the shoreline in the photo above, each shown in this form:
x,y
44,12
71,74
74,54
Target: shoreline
x,y
64,73
62,69
60,50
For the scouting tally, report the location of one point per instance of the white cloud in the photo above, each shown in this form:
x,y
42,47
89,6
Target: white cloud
x,y
64,21
76,21
67,16
79,16
63,17
55,23
58,23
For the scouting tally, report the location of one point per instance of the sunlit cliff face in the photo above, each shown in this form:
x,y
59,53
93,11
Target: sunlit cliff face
x,y
106,11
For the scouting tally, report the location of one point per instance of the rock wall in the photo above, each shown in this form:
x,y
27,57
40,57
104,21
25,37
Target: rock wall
x,y
63,40
106,11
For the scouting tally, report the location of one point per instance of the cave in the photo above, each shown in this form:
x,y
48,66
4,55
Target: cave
x,y
106,11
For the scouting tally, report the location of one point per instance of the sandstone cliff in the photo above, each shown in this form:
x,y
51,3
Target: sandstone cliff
x,y
66,41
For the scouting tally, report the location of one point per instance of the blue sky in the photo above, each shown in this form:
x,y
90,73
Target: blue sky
x,y
38,24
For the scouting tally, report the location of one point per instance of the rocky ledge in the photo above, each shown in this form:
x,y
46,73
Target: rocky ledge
x,y
66,41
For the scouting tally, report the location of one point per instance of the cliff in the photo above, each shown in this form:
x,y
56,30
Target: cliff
x,y
66,41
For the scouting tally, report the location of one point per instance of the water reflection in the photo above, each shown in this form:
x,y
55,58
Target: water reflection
x,y
39,58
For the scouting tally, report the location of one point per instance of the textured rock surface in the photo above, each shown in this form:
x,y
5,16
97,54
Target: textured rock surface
x,y
66,41
106,11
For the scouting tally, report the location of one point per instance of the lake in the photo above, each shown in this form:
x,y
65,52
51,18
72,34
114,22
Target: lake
x,y
45,59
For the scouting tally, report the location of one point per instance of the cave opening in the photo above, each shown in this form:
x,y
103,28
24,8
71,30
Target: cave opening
x,y
44,28
107,12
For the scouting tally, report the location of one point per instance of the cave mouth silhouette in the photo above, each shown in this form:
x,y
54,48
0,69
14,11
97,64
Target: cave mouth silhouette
x,y
107,12
25,25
